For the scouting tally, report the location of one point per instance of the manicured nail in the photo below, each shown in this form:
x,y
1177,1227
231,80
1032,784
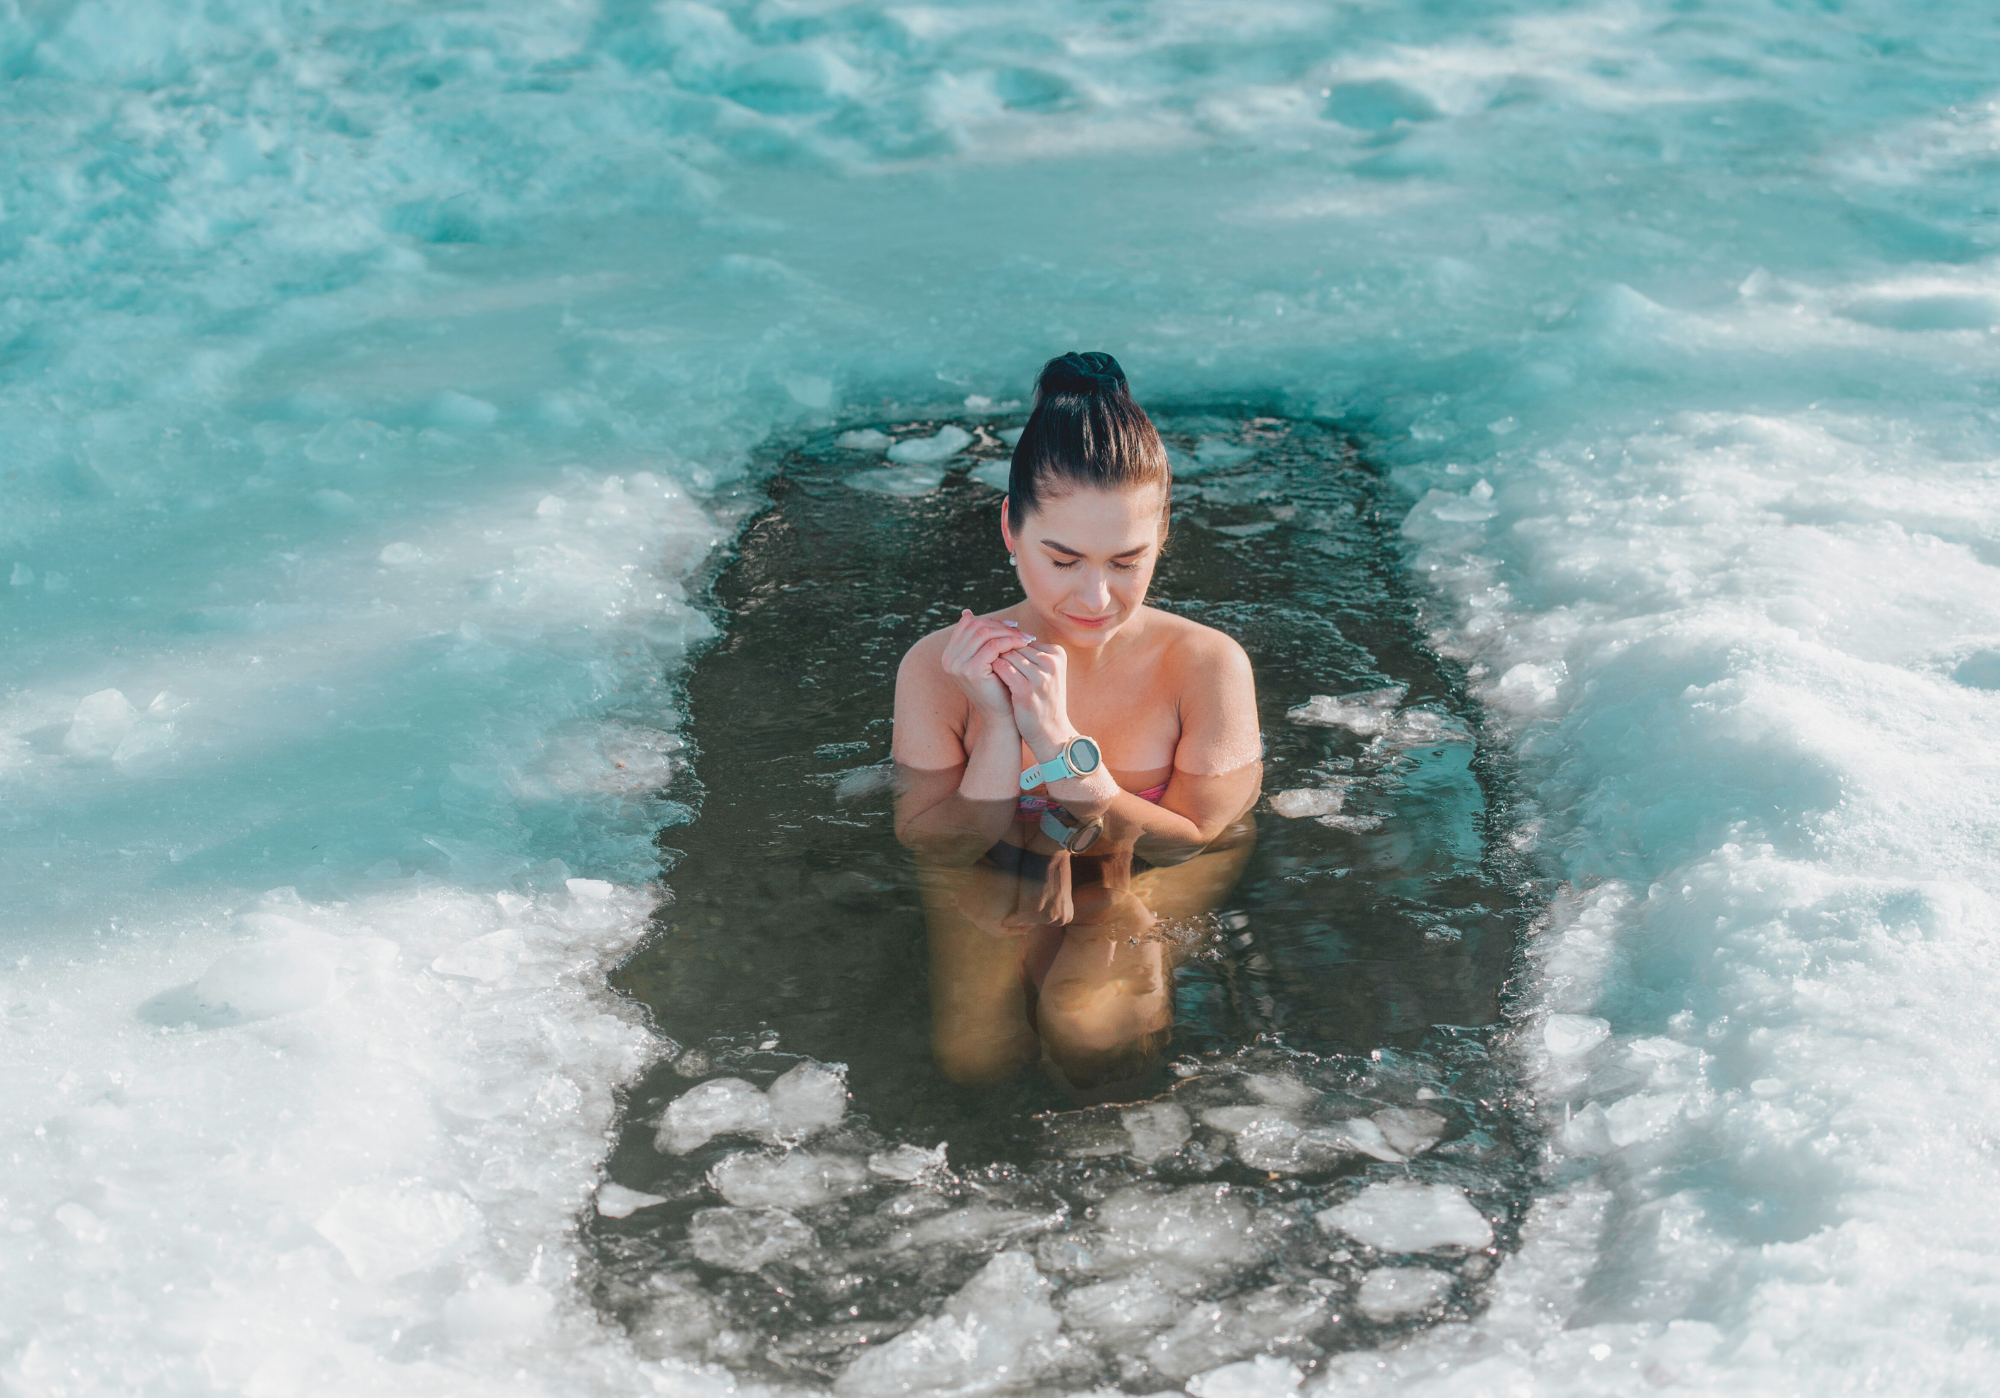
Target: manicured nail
x,y
1026,637
1013,623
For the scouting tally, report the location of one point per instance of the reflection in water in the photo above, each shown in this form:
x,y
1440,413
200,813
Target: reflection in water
x,y
1038,954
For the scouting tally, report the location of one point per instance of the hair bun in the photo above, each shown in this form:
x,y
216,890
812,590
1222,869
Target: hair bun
x,y
1092,371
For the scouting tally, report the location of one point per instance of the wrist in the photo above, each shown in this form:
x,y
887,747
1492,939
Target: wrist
x,y
1045,745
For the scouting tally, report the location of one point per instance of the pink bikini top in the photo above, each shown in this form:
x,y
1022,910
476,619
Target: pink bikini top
x,y
1032,807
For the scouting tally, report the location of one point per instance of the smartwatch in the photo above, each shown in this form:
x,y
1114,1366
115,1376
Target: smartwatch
x,y
1059,826
1079,758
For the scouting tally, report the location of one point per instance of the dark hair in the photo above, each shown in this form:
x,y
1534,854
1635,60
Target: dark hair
x,y
1085,431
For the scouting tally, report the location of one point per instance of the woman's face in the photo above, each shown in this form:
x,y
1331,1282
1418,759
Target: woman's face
x,y
1086,558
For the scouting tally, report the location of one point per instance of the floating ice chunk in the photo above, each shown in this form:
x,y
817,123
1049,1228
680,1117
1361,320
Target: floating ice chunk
x,y
334,502
1215,451
1273,1140
1280,1091
1012,436
743,1240
907,1163
1404,1216
1572,1036
616,1201
1156,1129
1390,1292
970,1227
718,1107
269,978
998,1332
1199,1228
677,1319
811,1097
1124,1306
948,441
400,554
863,782
863,439
1270,1143
101,722
1252,1378
1220,1331
1367,712
908,482
1354,825
1235,1119
1410,1130
1367,1138
22,576
794,1180
1294,805
997,474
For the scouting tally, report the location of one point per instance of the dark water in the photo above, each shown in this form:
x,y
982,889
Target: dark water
x,y
1365,955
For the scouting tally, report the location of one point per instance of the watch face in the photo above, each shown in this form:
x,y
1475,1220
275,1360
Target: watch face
x,y
1083,756
1083,838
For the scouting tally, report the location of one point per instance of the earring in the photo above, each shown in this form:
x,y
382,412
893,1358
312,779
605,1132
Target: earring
x,y
1012,561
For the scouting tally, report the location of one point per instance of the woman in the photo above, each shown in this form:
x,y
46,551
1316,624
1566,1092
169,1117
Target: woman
x,y
1075,768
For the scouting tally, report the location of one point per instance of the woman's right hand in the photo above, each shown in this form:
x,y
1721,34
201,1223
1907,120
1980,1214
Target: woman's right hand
x,y
976,642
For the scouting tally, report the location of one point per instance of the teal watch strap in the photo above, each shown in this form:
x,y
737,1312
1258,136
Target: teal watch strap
x,y
1089,758
1054,770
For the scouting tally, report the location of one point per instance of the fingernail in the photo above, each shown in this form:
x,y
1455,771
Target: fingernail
x,y
1013,623
1026,637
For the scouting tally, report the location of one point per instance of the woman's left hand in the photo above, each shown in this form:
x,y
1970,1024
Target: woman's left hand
x,y
1037,678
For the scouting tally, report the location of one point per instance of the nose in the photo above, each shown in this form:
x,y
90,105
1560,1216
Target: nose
x,y
1095,593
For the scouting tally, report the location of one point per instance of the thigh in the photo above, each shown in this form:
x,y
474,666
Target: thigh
x,y
980,1028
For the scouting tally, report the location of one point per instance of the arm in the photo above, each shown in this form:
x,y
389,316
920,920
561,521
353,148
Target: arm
x,y
953,803
1217,763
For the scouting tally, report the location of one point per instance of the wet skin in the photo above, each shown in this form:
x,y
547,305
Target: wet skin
x,y
1038,953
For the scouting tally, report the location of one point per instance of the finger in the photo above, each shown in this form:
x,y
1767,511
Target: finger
x,y
992,650
1021,664
1031,663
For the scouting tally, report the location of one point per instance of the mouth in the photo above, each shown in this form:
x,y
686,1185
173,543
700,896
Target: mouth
x,y
1090,622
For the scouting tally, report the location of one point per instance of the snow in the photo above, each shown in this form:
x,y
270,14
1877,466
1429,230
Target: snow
x,y
376,378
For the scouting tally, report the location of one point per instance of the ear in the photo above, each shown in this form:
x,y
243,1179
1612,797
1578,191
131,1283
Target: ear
x,y
1006,528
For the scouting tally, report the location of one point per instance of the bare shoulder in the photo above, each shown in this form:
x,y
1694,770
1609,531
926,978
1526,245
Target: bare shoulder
x,y
929,651
1194,649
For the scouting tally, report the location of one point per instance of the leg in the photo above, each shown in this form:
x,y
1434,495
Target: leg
x,y
980,1025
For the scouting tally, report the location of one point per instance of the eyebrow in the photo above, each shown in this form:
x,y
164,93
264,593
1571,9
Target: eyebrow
x,y
1078,553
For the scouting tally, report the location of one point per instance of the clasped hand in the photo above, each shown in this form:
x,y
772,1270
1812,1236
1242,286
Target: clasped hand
x,y
1012,678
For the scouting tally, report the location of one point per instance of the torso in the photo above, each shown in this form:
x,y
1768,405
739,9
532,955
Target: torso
x,y
1130,703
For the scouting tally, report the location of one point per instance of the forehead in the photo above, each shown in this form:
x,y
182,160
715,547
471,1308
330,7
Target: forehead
x,y
1092,518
